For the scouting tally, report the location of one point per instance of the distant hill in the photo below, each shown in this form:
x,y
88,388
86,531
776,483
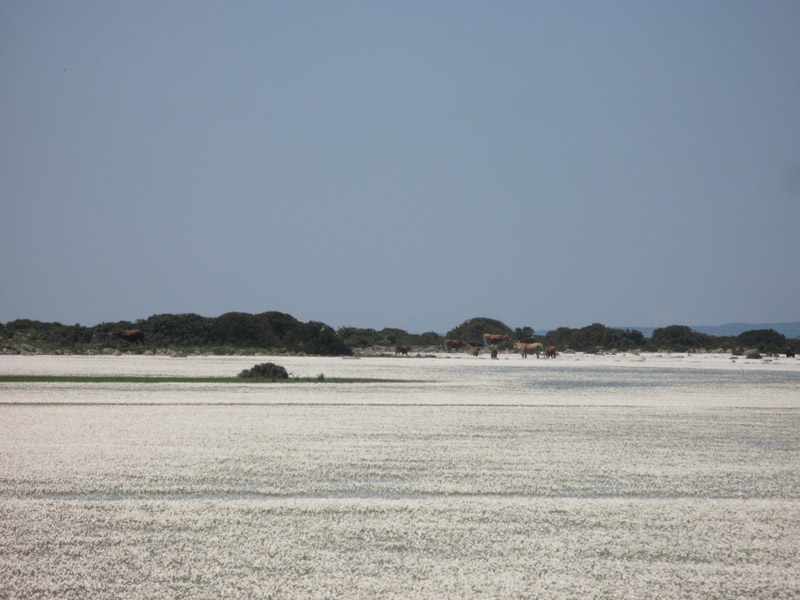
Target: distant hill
x,y
790,330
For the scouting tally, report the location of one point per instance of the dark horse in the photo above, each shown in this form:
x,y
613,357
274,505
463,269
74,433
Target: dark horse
x,y
129,335
789,352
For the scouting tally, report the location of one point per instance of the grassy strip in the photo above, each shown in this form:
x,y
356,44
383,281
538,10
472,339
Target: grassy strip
x,y
128,379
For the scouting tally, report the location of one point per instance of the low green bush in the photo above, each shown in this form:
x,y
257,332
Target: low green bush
x,y
265,371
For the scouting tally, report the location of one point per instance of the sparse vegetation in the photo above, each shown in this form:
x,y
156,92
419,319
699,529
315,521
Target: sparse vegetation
x,y
143,379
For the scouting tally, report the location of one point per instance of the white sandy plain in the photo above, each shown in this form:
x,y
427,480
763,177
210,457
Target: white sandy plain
x,y
652,476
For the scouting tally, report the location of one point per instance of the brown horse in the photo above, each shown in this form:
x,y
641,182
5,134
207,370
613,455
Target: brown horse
x,y
402,350
490,339
550,352
525,349
129,335
453,344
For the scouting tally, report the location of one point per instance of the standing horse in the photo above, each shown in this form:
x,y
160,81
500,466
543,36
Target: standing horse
x,y
490,339
525,349
129,335
453,344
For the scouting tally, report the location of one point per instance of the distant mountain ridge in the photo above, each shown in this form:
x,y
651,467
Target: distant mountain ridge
x,y
790,330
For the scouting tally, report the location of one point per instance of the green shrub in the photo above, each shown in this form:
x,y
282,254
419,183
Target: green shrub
x,y
265,371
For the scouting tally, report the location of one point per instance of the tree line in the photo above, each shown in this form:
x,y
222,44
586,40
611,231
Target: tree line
x,y
276,332
233,331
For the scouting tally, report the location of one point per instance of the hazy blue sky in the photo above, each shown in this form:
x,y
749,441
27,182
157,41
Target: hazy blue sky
x,y
401,164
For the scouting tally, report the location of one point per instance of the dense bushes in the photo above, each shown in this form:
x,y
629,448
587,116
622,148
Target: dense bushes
x,y
680,338
315,338
269,330
524,335
356,337
55,334
595,337
281,332
243,329
765,340
177,330
266,331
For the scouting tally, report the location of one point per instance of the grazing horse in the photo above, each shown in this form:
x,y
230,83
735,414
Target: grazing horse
x,y
789,352
129,335
453,344
550,352
490,339
401,350
525,349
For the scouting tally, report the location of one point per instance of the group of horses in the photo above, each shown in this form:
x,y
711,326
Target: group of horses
x,y
492,339
489,339
535,348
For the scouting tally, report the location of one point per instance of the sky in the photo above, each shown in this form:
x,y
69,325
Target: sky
x,y
401,164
